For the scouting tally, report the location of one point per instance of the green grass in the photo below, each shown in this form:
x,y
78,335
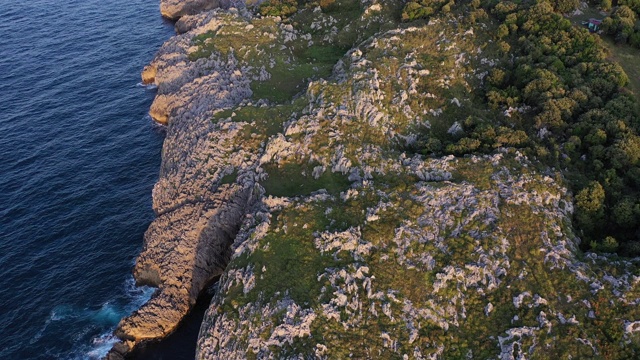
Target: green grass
x,y
324,54
229,178
292,264
629,58
288,80
288,180
291,260
478,173
262,122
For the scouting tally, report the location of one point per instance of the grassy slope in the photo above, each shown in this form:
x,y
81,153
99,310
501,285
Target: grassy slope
x,y
629,58
287,263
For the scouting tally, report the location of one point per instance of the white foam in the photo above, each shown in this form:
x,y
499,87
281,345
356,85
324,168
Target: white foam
x,y
110,314
138,295
101,345
147,86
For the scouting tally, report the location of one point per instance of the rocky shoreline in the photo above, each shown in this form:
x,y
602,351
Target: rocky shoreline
x,y
326,225
188,244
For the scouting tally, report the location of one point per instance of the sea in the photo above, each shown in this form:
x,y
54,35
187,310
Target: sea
x,y
78,159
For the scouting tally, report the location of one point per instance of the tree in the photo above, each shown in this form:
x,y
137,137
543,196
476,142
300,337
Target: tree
x,y
625,213
633,4
624,11
565,6
625,153
591,198
413,11
590,206
278,7
503,31
608,245
539,89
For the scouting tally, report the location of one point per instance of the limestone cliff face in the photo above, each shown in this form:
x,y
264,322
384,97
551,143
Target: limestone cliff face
x,y
184,249
174,9
335,236
198,214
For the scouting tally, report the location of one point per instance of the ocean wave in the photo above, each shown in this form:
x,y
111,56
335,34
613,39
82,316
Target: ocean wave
x,y
147,86
101,346
137,296
102,321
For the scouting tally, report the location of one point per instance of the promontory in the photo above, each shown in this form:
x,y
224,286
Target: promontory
x,y
389,179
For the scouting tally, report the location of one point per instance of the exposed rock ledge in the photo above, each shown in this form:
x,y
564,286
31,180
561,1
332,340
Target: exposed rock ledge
x,y
174,9
184,250
412,256
188,244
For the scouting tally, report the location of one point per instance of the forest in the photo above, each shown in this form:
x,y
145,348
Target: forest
x,y
575,112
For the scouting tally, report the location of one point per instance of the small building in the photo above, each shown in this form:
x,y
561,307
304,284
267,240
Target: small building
x,y
594,24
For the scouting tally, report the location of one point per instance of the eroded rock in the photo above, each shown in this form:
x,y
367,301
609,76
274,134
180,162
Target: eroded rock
x,y
174,9
188,244
184,249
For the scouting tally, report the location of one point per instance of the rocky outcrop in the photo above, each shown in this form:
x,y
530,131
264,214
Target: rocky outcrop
x,y
184,249
412,257
149,74
174,9
193,89
330,228
198,215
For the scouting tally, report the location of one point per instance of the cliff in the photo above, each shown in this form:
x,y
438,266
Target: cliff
x,y
295,166
175,9
198,211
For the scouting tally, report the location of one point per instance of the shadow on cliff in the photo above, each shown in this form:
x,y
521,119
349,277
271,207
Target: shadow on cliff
x,y
185,250
180,344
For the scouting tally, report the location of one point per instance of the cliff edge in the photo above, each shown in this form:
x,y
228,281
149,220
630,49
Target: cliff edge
x,y
361,197
175,9
199,210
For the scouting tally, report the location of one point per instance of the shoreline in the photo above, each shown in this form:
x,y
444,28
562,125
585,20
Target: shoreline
x,y
197,213
180,344
327,209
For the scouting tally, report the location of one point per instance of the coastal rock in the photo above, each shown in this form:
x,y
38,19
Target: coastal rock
x,y
184,249
174,9
191,88
188,244
159,110
330,224
149,74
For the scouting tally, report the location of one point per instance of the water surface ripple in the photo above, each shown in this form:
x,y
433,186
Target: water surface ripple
x,y
78,160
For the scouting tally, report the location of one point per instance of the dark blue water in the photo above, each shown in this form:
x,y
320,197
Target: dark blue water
x,y
78,159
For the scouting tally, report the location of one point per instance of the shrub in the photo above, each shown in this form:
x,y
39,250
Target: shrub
x,y
278,7
565,6
422,9
414,11
327,4
634,39
608,245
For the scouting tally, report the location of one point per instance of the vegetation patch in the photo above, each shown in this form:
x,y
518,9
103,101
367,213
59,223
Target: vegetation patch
x,y
292,179
627,57
288,79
